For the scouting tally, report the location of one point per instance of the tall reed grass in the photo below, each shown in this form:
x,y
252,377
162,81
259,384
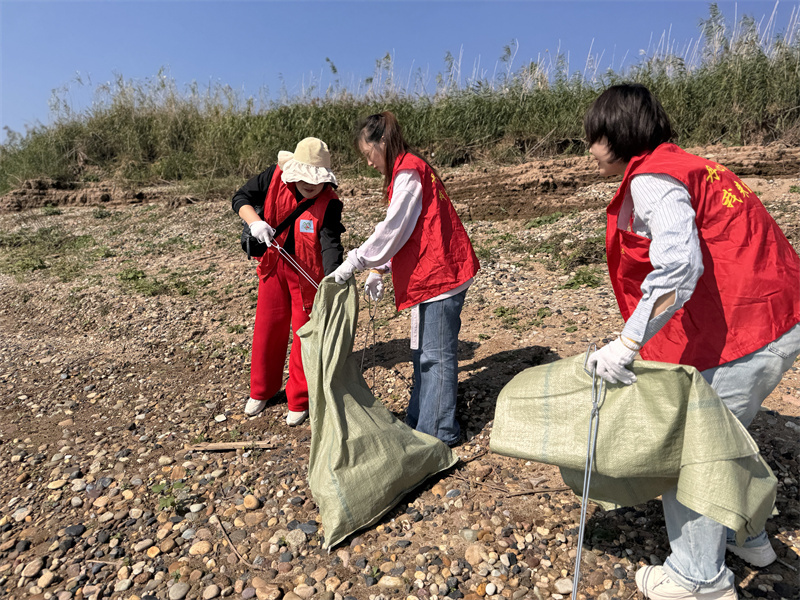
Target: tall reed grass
x,y
735,85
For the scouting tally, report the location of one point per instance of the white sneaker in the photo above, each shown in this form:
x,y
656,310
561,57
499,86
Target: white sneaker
x,y
253,407
758,556
296,417
655,584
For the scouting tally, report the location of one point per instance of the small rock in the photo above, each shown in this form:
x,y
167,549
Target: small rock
x,y
75,530
20,514
33,568
200,548
469,534
269,592
143,545
251,502
303,591
474,554
178,591
309,528
46,579
564,585
295,539
388,581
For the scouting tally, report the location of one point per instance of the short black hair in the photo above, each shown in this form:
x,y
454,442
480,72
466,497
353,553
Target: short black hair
x,y
630,118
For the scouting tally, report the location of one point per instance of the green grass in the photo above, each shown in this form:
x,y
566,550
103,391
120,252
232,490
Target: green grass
x,y
166,283
508,316
543,220
559,254
585,276
62,254
730,90
101,213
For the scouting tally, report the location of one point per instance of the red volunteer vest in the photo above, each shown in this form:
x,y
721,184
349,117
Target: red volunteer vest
x,y
438,256
279,204
749,293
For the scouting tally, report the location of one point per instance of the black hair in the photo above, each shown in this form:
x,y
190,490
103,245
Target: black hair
x,y
384,126
630,118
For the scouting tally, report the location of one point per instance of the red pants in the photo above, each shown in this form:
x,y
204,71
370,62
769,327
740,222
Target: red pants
x,y
279,306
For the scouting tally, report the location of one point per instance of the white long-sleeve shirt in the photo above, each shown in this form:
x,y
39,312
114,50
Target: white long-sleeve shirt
x,y
394,231
663,212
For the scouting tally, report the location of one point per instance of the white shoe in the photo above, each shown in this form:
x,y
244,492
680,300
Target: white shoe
x,y
253,407
758,556
296,417
655,584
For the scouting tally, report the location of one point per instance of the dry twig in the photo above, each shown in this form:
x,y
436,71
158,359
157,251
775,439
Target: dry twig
x,y
221,446
215,518
539,491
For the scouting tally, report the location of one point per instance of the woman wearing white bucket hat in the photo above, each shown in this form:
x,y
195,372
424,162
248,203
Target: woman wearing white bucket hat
x,y
313,239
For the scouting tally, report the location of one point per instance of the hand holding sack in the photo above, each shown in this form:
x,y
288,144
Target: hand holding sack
x,y
344,272
374,286
611,360
262,232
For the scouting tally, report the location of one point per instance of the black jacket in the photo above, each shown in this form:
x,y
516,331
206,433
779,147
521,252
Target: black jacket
x,y
253,194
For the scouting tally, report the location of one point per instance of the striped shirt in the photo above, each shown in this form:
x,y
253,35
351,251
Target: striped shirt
x,y
662,212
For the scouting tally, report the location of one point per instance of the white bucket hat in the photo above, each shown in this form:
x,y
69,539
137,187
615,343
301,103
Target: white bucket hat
x,y
310,162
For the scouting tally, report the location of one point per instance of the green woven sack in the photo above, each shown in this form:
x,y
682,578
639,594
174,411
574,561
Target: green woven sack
x,y
669,428
363,459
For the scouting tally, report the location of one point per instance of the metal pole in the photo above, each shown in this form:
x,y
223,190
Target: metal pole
x,y
598,389
294,264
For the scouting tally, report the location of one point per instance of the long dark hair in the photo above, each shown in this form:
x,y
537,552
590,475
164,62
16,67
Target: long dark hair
x,y
630,118
384,126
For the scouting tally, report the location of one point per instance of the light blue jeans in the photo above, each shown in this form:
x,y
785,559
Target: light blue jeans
x,y
432,407
697,561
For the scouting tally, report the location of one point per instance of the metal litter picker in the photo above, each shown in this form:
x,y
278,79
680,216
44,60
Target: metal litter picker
x,y
294,263
598,389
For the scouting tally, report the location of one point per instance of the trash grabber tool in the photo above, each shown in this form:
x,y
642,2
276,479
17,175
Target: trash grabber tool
x,y
294,264
372,311
598,390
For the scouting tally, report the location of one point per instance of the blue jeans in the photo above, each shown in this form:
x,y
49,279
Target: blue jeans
x,y
698,543
432,407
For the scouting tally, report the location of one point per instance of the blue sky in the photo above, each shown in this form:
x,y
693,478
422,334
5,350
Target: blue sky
x,y
256,45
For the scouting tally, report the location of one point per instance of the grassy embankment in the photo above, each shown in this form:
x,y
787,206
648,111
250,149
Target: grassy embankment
x,y
730,87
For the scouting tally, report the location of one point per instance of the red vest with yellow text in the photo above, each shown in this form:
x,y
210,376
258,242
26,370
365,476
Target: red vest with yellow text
x,y
749,293
280,202
438,256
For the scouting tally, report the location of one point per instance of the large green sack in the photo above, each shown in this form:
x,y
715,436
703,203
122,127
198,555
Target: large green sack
x,y
669,428
363,459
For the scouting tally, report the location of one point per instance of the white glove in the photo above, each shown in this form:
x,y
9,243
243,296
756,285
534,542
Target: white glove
x,y
374,286
610,362
344,272
262,232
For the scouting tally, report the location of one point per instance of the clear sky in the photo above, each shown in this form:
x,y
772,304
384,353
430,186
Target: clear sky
x,y
255,45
